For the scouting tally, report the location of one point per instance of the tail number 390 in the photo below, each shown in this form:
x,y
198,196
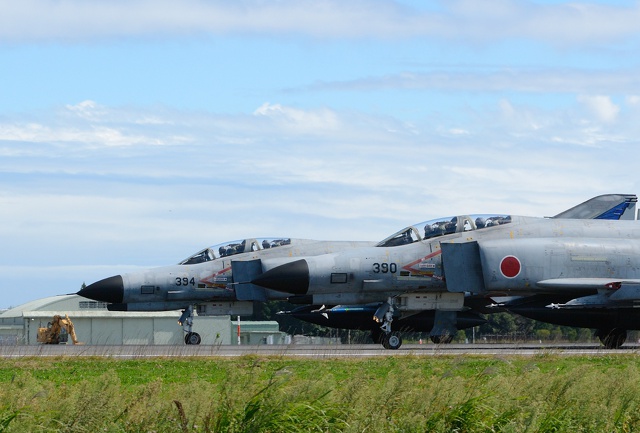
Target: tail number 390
x,y
385,268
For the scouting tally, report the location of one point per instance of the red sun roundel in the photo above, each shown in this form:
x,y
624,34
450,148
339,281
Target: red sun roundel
x,y
510,266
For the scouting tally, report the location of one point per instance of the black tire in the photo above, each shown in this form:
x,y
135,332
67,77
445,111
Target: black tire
x,y
613,338
441,339
192,338
392,341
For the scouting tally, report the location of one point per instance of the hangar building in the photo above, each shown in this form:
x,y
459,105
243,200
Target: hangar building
x,y
95,325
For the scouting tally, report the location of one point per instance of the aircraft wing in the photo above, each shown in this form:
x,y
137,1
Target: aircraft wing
x,y
607,206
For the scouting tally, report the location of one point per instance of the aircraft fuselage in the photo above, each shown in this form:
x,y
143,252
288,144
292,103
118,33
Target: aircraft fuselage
x,y
524,256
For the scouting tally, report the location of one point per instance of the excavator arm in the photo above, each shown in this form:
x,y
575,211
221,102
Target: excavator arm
x,y
51,334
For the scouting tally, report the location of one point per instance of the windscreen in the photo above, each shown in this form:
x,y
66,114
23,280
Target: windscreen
x,y
443,226
232,248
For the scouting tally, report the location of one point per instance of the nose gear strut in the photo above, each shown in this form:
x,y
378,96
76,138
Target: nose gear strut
x,y
384,314
186,320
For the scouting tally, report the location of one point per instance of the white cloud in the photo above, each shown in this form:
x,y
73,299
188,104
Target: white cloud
x,y
601,106
465,20
458,131
633,100
478,79
89,110
89,125
105,136
303,120
556,23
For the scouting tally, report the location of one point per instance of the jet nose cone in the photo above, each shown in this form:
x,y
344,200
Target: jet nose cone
x,y
291,278
108,290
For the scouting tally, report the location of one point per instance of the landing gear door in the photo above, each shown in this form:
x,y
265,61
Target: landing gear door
x,y
243,273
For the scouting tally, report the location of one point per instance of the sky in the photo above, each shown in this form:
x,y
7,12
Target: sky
x,y
134,133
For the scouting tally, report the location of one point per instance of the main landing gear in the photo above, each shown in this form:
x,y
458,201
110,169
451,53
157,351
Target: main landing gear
x,y
612,338
186,320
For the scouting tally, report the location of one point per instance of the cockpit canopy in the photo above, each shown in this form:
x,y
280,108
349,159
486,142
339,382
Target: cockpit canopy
x,y
226,249
443,226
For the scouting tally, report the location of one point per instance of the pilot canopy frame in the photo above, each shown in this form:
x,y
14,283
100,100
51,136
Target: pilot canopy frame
x,y
227,249
444,226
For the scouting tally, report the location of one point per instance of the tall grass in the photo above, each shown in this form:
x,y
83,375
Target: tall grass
x,y
400,394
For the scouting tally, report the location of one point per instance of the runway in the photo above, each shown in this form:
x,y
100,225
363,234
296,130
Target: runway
x,y
311,351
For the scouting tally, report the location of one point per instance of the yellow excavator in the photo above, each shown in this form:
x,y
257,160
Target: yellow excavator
x,y
53,333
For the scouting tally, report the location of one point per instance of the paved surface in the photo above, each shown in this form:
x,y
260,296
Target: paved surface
x,y
308,351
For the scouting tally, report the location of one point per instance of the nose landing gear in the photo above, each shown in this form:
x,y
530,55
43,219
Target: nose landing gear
x,y
186,320
384,314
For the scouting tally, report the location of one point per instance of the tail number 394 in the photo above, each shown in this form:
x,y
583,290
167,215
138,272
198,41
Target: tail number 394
x,y
185,281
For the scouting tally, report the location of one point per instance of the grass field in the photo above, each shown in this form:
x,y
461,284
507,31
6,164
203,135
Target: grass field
x,y
545,393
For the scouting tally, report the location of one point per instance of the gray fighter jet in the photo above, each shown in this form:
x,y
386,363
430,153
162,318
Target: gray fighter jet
x,y
218,281
204,282
580,268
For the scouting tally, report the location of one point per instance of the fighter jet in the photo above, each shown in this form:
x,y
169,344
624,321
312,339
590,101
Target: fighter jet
x,y
211,281
578,272
218,281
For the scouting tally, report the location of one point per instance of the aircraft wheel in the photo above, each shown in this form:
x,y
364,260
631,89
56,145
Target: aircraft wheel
x,y
392,340
612,339
192,338
441,339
